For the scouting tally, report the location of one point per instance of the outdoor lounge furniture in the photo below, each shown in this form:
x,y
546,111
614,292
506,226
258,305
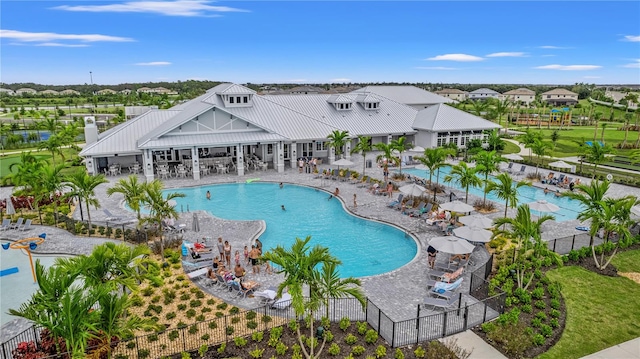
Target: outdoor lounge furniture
x,y
282,303
6,223
439,303
445,290
17,223
25,226
393,204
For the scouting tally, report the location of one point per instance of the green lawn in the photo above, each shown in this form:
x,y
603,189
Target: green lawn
x,y
8,160
601,311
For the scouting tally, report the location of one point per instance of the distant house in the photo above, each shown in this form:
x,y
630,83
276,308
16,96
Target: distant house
x,y
49,93
7,92
69,92
521,96
144,90
305,90
483,94
106,92
26,90
560,96
409,95
454,94
125,91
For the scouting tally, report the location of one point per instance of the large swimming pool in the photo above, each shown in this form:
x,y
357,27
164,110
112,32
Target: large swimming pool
x,y
569,209
365,247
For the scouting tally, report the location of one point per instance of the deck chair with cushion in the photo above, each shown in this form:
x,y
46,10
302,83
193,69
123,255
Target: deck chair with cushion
x,y
445,290
439,303
522,170
282,303
6,223
509,168
110,216
17,223
449,277
393,204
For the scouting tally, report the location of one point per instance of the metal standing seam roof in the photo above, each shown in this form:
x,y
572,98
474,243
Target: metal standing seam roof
x,y
390,118
484,91
122,139
408,95
207,139
441,118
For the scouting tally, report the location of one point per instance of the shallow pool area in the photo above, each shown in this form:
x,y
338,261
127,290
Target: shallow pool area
x,y
17,288
569,209
365,247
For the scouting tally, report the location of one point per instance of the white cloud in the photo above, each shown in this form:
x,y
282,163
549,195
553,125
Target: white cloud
x,y
551,47
57,44
339,80
153,63
456,57
435,68
631,38
633,65
51,39
549,55
168,8
507,54
569,67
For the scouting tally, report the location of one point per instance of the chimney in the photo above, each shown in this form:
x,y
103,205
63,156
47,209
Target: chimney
x,y
90,130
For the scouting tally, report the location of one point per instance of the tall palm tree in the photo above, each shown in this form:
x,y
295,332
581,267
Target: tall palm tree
x,y
330,285
299,265
506,189
597,117
400,145
363,146
54,145
132,190
591,198
433,159
615,218
528,241
479,106
540,149
487,162
83,186
337,140
388,154
502,108
49,185
464,176
24,173
159,207
596,154
495,141
528,138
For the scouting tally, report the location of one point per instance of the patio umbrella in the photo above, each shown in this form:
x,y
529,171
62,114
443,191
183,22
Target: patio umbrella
x,y
476,221
343,162
513,157
451,245
473,234
412,190
195,226
543,206
10,208
417,149
635,210
172,202
457,206
560,164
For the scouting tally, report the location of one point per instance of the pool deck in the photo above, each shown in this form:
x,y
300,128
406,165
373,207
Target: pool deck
x,y
397,293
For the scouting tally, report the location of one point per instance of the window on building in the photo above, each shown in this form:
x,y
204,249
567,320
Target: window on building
x,y
269,148
245,99
321,146
231,99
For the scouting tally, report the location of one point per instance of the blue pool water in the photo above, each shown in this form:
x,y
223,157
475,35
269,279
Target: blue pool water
x,y
569,209
364,247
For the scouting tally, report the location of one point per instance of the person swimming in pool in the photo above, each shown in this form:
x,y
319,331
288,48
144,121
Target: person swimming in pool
x,y
334,194
283,207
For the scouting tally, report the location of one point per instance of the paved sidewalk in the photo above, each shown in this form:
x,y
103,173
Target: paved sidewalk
x,y
475,345
626,350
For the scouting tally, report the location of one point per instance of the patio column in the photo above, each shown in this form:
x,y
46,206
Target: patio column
x,y
347,149
294,155
240,160
90,164
389,138
147,165
332,155
195,163
278,157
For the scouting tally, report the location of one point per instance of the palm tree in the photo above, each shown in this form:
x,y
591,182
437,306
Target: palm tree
x,y
488,162
330,285
159,206
527,235
506,189
49,185
400,145
24,173
363,146
433,159
83,186
627,120
597,116
502,108
540,149
495,141
387,150
337,140
528,138
299,266
464,176
591,197
54,145
597,153
132,190
479,107
604,127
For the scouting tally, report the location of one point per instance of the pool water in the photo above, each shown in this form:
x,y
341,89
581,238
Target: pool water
x,y
17,288
569,209
365,247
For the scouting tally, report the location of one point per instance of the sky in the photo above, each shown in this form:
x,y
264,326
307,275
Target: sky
x,y
108,42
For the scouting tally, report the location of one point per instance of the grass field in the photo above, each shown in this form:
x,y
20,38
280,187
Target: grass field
x,y
8,160
601,311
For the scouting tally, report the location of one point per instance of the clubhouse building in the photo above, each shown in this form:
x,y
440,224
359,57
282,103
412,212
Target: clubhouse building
x,y
231,128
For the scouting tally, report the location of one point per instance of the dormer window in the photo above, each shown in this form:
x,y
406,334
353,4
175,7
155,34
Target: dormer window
x,y
340,102
368,102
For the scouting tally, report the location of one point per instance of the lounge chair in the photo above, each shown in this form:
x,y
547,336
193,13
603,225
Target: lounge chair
x,y
408,204
365,183
509,168
244,292
110,216
438,303
17,223
26,226
446,290
6,223
426,210
393,204
422,207
266,297
522,170
449,277
415,210
282,303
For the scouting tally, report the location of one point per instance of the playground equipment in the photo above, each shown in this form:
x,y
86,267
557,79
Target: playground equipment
x,y
28,244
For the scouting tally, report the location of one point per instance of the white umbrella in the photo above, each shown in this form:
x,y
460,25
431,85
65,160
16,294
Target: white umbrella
x,y
560,164
10,208
412,190
513,157
342,162
196,224
473,234
422,167
451,245
543,206
457,206
417,149
635,210
476,221
172,202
